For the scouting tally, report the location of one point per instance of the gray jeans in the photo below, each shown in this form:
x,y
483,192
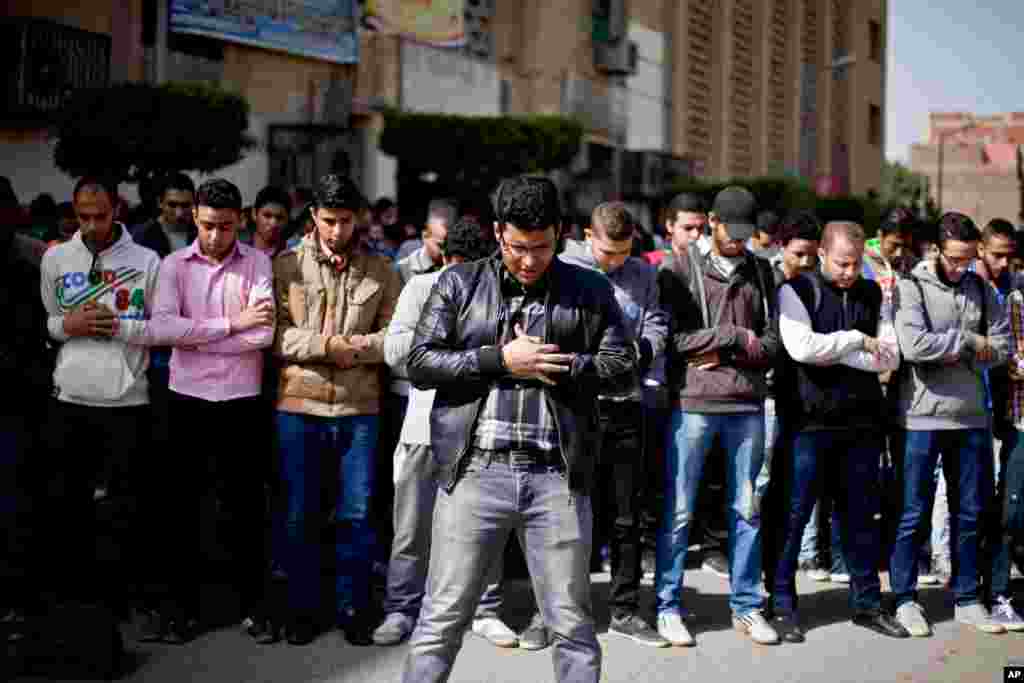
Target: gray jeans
x,y
416,481
471,527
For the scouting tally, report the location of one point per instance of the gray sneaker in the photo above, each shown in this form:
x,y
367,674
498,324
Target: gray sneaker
x,y
911,617
977,616
1004,614
396,628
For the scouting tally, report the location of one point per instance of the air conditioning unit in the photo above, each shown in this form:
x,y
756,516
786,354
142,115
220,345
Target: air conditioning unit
x,y
618,58
609,19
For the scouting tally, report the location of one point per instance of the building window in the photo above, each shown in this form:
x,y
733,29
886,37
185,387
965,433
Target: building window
x,y
875,41
875,125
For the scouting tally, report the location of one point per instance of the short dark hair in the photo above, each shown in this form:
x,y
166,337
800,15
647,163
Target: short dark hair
x,y
999,227
954,226
800,225
443,208
614,221
381,205
176,181
338,192
768,222
530,203
899,221
43,207
96,183
271,194
217,193
468,240
688,202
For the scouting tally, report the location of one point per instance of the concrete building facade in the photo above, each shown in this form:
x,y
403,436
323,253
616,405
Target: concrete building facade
x,y
981,164
712,88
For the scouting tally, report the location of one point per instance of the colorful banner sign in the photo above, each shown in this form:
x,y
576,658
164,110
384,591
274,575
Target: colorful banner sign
x,y
323,29
434,22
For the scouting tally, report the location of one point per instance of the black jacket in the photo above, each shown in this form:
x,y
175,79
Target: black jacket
x,y
26,357
152,236
454,351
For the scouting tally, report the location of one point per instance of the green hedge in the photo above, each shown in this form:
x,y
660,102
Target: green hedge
x,y
784,193
479,149
134,131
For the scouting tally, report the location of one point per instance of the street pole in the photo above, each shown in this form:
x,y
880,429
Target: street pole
x,y
160,46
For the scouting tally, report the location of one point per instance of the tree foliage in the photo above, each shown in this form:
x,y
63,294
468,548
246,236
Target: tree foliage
x,y
786,193
478,151
136,131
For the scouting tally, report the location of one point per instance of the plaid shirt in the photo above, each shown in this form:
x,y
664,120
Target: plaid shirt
x,y
515,414
1015,303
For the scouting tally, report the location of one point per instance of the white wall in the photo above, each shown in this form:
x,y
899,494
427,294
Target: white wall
x,y
648,106
446,81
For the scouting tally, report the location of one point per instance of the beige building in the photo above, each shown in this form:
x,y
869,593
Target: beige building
x,y
980,164
713,88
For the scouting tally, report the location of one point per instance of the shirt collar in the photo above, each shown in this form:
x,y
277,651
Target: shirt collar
x,y
195,252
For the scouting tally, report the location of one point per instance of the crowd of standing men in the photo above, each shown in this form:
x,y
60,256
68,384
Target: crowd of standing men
x,y
524,382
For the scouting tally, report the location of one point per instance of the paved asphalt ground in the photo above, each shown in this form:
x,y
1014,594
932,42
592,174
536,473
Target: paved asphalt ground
x,y
835,651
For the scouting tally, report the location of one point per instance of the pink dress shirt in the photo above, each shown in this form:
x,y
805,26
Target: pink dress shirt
x,y
195,301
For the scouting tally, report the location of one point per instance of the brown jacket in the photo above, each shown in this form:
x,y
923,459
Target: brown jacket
x,y
710,313
362,298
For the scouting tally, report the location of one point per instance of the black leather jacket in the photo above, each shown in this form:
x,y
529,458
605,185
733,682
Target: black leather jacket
x,y
454,351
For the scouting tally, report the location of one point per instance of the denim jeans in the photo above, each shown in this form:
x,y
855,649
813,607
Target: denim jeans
x,y
843,463
1001,538
967,464
416,484
689,439
471,526
327,454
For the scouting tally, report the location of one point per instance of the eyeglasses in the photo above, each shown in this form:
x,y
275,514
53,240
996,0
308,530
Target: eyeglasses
x,y
958,261
522,251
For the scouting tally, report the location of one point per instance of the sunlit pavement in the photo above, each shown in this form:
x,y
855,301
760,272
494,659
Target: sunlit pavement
x,y
835,649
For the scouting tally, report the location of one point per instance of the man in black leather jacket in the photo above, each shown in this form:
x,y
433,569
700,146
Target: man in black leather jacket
x,y
518,348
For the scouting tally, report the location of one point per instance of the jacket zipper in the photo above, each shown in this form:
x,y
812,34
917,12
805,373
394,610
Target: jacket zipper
x,y
479,404
544,390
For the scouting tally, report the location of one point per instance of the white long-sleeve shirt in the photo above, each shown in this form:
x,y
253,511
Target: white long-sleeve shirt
x,y
804,345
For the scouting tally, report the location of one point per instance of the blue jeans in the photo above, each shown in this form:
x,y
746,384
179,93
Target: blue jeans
x,y
843,463
416,475
471,526
967,464
689,439
313,449
1007,513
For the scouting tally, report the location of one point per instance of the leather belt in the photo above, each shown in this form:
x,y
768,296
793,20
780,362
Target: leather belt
x,y
520,458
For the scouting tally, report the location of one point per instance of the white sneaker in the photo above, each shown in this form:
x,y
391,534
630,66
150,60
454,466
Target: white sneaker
x,y
494,630
911,617
672,629
757,627
395,629
1004,614
977,616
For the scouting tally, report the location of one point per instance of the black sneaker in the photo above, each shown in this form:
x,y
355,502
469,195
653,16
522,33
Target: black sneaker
x,y
536,636
150,627
263,630
301,631
356,628
716,563
880,622
180,631
788,627
635,628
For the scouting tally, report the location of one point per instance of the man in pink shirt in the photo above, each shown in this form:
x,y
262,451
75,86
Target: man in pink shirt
x,y
215,302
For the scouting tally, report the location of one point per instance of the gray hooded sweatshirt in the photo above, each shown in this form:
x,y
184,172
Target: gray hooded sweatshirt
x,y
636,291
943,386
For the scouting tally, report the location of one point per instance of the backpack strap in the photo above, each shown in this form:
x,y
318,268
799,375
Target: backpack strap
x,y
924,306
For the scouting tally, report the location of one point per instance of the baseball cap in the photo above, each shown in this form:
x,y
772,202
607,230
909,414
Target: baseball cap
x,y
736,207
